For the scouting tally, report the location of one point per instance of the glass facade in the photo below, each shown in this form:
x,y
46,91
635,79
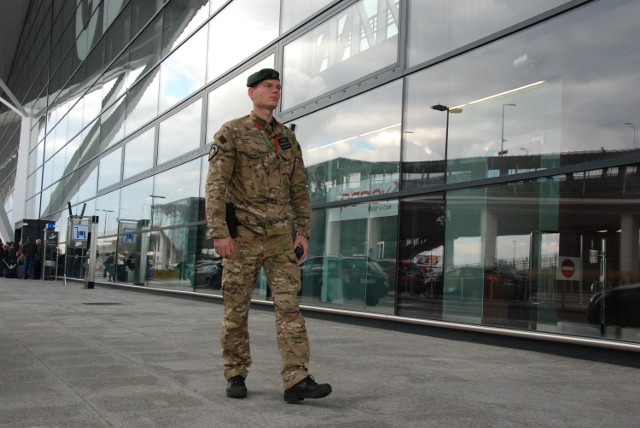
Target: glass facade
x,y
469,162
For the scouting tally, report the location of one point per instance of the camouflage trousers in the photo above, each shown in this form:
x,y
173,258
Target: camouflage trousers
x,y
276,256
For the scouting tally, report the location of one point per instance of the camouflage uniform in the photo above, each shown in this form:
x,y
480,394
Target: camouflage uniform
x,y
259,168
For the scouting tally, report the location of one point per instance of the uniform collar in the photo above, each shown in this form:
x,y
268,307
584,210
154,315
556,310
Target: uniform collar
x,y
263,124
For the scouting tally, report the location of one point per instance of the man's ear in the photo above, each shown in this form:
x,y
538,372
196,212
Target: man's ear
x,y
250,91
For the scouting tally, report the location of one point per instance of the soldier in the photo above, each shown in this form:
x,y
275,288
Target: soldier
x,y
256,170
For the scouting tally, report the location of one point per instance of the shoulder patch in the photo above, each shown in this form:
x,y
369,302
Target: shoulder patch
x,y
213,151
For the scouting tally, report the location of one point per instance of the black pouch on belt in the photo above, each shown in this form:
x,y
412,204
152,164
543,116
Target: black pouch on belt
x,y
232,220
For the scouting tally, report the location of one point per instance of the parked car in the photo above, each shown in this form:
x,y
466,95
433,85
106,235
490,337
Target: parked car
x,y
357,277
410,275
503,283
621,306
207,274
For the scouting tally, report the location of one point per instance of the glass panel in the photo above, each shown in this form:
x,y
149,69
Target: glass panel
x,y
261,17
142,102
341,144
176,198
135,203
130,261
32,206
88,187
181,18
417,273
144,52
180,133
437,27
294,11
138,153
214,5
533,114
182,73
356,42
112,120
343,268
92,106
107,209
550,255
231,99
110,166
106,259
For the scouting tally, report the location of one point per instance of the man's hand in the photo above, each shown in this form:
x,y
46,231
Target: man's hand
x,y
223,246
302,241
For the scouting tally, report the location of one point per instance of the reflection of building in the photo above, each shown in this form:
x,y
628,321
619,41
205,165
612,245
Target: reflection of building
x,y
123,103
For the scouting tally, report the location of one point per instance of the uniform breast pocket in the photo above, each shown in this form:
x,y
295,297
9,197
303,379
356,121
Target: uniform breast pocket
x,y
250,167
286,162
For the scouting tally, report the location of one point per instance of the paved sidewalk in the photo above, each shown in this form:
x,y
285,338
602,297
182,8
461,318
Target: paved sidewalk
x,y
103,357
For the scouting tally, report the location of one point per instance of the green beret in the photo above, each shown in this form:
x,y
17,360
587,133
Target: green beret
x,y
264,74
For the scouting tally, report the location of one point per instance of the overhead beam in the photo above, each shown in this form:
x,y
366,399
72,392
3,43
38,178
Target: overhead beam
x,y
16,106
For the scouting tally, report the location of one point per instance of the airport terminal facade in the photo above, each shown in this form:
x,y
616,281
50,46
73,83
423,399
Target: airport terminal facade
x,y
471,164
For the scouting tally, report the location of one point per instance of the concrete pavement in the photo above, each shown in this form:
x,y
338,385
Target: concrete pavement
x,y
105,357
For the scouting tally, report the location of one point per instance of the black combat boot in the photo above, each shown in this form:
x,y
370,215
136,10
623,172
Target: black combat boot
x,y
236,387
307,388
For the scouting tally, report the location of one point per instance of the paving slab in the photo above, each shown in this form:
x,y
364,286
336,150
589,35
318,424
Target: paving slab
x,y
108,357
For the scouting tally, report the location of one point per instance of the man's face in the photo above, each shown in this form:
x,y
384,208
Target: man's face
x,y
266,94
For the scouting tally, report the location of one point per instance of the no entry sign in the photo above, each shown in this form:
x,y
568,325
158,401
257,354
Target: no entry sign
x,y
569,269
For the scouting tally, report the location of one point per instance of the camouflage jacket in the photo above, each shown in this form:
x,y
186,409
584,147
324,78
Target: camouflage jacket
x,y
259,169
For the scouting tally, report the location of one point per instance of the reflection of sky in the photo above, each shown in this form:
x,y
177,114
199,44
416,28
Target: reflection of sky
x,y
321,60
180,133
179,183
345,130
438,27
231,100
582,106
240,29
294,11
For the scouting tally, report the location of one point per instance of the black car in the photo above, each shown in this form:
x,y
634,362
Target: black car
x,y
621,306
357,277
207,274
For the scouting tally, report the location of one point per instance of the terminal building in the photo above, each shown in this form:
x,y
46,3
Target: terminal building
x,y
472,165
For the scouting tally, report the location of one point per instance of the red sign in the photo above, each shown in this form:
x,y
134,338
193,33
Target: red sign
x,y
568,268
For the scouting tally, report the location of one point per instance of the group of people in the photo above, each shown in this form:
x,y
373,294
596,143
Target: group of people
x,y
21,260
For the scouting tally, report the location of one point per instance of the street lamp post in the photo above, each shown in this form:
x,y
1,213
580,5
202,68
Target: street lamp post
x,y
153,198
106,214
440,107
502,151
634,132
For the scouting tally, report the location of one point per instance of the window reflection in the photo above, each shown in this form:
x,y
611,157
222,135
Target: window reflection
x,y
345,262
536,255
138,153
356,42
107,211
180,133
231,99
437,27
294,11
133,205
88,187
352,149
182,73
262,17
142,102
177,195
534,112
109,170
